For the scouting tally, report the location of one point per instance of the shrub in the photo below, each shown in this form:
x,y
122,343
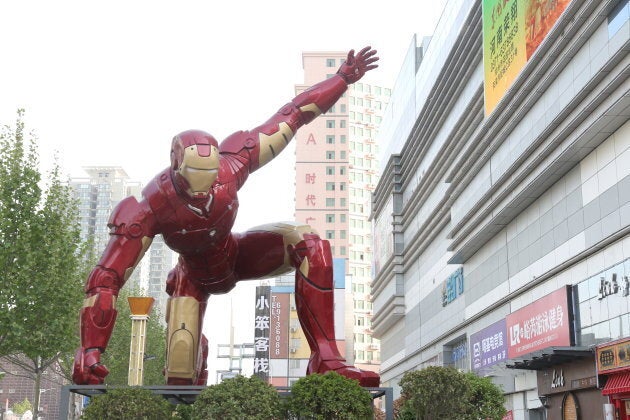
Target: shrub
x,y
128,404
238,398
329,396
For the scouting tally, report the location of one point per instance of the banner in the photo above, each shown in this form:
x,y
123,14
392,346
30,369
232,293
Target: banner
x,y
488,346
261,333
543,323
512,31
279,333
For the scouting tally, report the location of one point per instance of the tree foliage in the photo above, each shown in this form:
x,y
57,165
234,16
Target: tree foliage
x,y
128,404
238,398
329,396
116,356
486,399
437,393
40,257
22,407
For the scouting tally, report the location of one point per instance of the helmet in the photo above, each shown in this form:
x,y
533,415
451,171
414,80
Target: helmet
x,y
195,162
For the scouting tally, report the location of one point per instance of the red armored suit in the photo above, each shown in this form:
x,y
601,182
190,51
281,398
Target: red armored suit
x,y
193,205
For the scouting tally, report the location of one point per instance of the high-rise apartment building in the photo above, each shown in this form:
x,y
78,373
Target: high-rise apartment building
x,y
336,171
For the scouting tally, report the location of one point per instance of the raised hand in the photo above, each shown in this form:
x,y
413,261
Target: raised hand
x,y
355,67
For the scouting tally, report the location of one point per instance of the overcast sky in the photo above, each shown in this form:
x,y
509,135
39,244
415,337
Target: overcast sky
x,y
111,82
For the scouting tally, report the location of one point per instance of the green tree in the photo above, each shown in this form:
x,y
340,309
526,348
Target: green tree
x,y
40,258
238,398
435,393
440,393
116,356
329,396
22,407
486,399
128,404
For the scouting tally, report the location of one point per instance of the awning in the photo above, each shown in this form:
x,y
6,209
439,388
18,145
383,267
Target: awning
x,y
617,383
549,357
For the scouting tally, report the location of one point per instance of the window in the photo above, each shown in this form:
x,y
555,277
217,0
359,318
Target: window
x,y
618,17
330,154
342,170
342,234
330,234
359,102
330,218
330,186
331,110
342,108
342,138
342,218
342,123
342,154
377,90
342,186
330,139
330,202
330,123
342,250
358,87
342,202
330,170
330,62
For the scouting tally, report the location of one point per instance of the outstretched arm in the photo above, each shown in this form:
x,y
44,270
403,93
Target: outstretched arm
x,y
132,225
260,145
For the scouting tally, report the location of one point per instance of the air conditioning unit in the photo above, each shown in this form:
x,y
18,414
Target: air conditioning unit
x,y
294,329
293,349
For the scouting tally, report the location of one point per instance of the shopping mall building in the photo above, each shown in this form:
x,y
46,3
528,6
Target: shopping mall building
x,y
502,217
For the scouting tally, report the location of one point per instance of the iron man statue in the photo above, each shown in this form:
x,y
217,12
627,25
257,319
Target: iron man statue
x,y
193,205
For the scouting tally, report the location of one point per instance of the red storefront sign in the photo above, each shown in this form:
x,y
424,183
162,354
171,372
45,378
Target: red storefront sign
x,y
541,324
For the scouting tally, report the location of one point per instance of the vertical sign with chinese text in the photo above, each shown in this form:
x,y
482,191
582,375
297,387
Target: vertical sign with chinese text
x,y
261,332
279,326
543,323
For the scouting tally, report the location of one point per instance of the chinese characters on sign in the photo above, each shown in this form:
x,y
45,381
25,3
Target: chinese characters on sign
x,y
488,346
540,324
453,286
261,333
512,32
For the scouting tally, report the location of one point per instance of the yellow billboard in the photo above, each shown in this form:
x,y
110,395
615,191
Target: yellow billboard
x,y
512,31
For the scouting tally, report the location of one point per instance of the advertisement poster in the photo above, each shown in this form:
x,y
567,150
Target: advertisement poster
x,y
279,326
261,332
543,323
488,346
512,31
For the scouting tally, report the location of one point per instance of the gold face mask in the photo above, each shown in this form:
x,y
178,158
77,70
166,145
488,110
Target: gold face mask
x,y
199,171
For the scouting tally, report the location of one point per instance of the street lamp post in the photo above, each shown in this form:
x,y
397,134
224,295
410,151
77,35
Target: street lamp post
x,y
140,309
